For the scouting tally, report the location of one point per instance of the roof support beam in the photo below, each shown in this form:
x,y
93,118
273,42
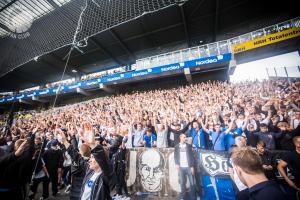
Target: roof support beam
x,y
154,31
142,35
216,21
33,81
52,3
196,8
187,37
7,5
4,27
144,29
223,10
116,37
55,66
106,52
57,61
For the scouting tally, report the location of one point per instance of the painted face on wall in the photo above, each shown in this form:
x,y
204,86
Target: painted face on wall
x,y
151,170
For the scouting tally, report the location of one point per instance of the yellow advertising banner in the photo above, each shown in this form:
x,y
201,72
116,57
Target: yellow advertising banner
x,y
266,40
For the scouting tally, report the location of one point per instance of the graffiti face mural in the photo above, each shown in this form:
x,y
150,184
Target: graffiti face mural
x,y
151,169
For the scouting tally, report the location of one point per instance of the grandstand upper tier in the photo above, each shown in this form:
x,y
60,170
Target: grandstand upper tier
x,y
135,30
173,63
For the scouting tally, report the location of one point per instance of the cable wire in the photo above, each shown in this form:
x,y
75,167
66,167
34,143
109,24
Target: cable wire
x,y
74,45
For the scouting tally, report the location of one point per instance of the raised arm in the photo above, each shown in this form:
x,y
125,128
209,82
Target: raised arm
x,y
203,125
281,169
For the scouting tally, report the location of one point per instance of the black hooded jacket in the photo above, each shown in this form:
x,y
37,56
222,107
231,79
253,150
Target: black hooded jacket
x,y
100,190
101,186
17,171
79,168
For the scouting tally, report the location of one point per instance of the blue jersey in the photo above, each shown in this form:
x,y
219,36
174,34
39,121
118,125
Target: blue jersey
x,y
219,141
149,140
198,138
229,138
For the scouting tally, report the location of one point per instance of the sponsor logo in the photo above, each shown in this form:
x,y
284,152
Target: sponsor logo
x,y
220,57
44,92
139,74
31,95
208,61
214,164
266,40
149,70
20,97
92,83
173,67
73,86
114,79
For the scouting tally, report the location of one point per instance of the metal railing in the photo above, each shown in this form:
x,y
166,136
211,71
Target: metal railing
x,y
212,49
283,72
203,51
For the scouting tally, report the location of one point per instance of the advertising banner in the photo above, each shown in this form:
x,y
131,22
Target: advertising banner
x,y
266,40
159,71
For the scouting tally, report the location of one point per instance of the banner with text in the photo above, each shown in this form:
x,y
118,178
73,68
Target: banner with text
x,y
266,40
175,68
153,171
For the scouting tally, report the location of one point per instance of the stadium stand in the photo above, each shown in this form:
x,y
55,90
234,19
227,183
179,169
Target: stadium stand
x,y
138,120
204,51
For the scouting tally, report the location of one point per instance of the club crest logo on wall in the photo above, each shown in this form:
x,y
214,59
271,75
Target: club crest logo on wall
x,y
214,164
20,21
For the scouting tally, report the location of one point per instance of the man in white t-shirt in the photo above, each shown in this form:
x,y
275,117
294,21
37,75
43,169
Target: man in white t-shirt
x,y
138,134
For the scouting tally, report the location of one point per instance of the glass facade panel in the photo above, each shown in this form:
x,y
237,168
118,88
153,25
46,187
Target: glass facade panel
x,y
296,22
203,51
213,49
245,38
223,47
194,53
271,29
284,26
257,34
235,40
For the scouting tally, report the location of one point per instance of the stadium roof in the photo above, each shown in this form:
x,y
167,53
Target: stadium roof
x,y
35,36
19,15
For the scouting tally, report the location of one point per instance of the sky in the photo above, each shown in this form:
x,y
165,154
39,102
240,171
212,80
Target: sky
x,y
258,69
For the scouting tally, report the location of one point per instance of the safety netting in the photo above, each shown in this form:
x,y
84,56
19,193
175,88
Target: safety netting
x,y
57,28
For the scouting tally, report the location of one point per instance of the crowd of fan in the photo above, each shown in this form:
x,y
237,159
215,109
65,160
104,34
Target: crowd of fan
x,y
211,114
